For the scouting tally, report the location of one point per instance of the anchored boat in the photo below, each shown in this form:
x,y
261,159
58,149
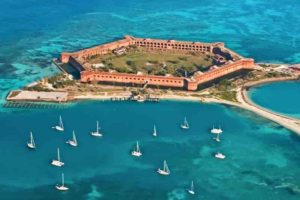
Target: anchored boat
x,y
220,156
62,187
31,143
191,190
59,127
58,162
137,152
216,130
97,132
185,124
73,141
154,131
165,171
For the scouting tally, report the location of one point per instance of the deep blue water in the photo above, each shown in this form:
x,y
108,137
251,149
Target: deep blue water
x,y
282,97
262,158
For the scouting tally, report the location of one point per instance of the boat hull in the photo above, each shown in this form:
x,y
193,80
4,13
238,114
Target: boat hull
x,y
96,134
136,153
57,163
58,128
61,188
30,146
162,172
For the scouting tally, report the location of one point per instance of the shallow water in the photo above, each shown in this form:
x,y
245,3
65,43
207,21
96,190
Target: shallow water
x,y
282,97
33,32
262,158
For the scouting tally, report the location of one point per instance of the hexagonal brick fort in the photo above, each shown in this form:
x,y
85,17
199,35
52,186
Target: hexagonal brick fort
x,y
88,74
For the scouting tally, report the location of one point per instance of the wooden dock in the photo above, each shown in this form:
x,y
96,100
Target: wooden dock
x,y
33,105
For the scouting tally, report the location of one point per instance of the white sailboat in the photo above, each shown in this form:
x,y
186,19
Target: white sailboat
x,y
97,132
218,137
220,156
154,131
185,124
59,127
31,144
137,152
73,141
62,187
57,162
191,190
165,171
216,130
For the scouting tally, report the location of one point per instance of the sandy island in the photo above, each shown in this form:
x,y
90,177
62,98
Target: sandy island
x,y
243,101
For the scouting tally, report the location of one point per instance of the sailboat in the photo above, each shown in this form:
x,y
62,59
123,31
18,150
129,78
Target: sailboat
x,y
59,127
185,124
57,162
165,171
31,144
73,141
154,131
97,132
216,130
218,137
62,187
191,190
137,152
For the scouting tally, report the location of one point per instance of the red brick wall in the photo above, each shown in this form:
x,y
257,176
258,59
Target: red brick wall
x,y
87,76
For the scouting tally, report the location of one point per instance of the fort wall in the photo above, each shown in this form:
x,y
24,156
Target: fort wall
x,y
77,59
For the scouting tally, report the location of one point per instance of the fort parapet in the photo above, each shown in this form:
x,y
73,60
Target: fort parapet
x,y
88,74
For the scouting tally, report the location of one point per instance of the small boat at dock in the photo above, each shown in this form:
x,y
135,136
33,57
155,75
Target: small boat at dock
x,y
165,171
31,143
97,132
136,152
185,124
62,187
59,127
73,141
58,162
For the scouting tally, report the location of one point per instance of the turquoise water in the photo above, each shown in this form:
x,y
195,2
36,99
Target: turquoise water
x,y
282,97
33,32
262,159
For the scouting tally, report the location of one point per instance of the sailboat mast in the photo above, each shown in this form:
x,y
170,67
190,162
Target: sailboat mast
x,y
137,146
58,155
61,122
63,179
74,137
192,186
97,126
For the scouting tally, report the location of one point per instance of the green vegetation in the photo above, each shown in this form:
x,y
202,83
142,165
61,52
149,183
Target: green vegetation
x,y
38,88
156,63
60,81
225,89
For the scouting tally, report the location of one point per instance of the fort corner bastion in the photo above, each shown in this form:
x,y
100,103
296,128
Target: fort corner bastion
x,y
79,60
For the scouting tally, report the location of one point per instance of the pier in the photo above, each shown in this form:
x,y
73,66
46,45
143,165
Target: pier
x,y
32,105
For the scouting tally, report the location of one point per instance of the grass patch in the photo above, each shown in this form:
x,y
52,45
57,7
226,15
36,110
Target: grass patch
x,y
155,63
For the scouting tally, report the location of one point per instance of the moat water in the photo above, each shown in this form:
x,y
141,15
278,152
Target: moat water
x,y
262,158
